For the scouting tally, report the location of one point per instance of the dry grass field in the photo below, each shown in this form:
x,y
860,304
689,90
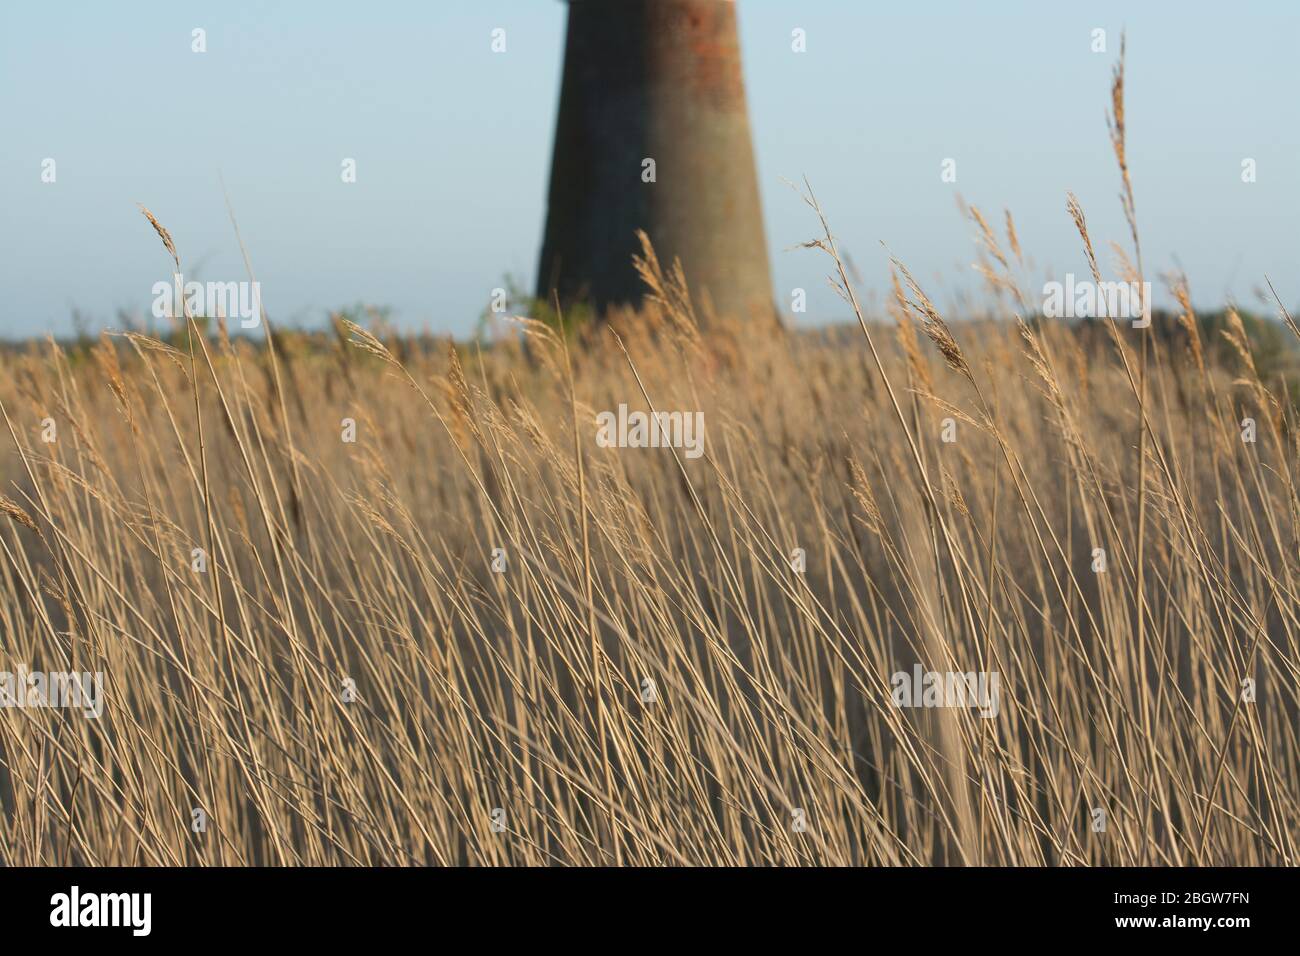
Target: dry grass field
x,y
341,675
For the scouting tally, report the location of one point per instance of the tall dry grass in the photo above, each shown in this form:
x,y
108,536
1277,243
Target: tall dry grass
x,y
522,691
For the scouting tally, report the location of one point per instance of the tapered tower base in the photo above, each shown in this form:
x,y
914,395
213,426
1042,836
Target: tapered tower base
x,y
653,90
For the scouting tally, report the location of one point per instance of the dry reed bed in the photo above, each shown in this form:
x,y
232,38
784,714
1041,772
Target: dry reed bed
x,y
480,690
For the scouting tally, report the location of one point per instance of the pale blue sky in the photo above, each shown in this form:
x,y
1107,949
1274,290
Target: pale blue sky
x,y
453,145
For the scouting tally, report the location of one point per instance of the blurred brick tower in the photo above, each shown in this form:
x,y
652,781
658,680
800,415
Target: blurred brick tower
x,y
654,80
